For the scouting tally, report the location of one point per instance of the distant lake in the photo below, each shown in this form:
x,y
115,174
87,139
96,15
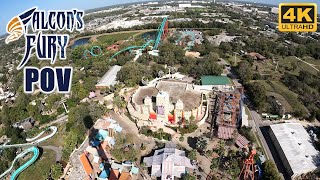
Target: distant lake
x,y
149,35
80,42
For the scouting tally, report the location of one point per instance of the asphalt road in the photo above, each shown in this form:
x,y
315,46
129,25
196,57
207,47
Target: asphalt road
x,y
257,123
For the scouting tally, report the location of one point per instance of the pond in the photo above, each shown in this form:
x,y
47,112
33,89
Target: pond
x,y
149,35
80,42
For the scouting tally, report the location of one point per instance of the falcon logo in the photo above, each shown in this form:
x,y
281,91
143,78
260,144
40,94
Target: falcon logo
x,y
18,25
41,42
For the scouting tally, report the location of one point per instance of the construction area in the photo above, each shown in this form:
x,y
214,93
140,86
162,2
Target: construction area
x,y
226,112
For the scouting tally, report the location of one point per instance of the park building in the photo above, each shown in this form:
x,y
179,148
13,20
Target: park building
x,y
295,149
209,83
168,163
170,102
109,78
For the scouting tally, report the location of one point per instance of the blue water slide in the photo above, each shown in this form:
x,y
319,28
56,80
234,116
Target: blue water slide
x,y
35,156
16,173
30,142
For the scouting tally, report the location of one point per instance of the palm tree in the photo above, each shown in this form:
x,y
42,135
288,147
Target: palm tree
x,y
161,131
119,103
201,144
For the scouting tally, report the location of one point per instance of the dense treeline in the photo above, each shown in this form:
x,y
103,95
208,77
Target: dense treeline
x,y
198,67
269,47
307,86
148,66
7,155
257,94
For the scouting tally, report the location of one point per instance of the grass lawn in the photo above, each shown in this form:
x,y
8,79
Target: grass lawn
x,y
282,100
288,61
41,168
57,139
231,59
312,60
286,97
266,68
290,96
112,38
268,87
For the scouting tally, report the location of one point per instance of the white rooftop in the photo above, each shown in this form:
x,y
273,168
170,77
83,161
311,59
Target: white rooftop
x,y
110,77
297,147
168,162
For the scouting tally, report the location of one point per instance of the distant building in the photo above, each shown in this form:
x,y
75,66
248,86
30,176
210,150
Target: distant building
x,y
256,56
168,163
214,83
184,5
275,10
3,139
110,78
272,25
192,54
295,149
25,124
241,141
113,47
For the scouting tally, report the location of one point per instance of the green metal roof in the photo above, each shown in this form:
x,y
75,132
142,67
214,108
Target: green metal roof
x,y
215,80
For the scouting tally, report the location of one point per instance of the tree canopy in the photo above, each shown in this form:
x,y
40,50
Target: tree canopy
x,y
270,171
132,73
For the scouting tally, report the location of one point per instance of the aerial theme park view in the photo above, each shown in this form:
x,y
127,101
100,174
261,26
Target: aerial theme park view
x,y
160,89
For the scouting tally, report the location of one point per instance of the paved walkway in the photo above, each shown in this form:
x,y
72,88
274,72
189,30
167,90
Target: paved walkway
x,y
129,128
127,125
60,120
77,171
311,65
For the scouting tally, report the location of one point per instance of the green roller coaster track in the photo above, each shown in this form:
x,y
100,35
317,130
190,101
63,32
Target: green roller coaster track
x,y
160,32
91,52
144,46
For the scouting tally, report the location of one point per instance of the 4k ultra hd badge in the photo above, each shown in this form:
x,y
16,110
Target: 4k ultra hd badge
x,y
297,17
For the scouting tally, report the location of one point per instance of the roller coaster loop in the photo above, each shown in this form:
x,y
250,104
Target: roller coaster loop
x,y
93,52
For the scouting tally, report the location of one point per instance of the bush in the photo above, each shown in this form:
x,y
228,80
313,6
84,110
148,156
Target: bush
x,y
192,154
44,119
181,138
188,129
159,135
143,147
